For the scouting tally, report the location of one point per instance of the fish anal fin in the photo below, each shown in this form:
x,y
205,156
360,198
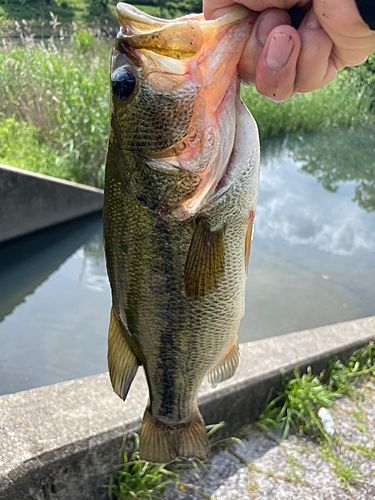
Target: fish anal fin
x,y
204,266
227,366
160,444
248,238
122,363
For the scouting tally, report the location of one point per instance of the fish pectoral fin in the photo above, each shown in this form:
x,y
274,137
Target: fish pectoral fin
x,y
227,366
248,238
204,266
160,444
122,363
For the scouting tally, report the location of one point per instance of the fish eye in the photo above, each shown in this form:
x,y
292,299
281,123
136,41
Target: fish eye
x,y
123,84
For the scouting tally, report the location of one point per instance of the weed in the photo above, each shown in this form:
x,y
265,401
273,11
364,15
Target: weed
x,y
227,441
347,474
139,479
63,96
362,449
343,376
253,485
359,416
339,103
362,428
298,404
293,461
301,397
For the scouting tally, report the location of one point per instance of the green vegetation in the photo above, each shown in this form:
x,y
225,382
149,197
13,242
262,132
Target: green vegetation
x,y
59,100
347,473
44,16
54,96
340,103
84,13
301,397
297,406
138,479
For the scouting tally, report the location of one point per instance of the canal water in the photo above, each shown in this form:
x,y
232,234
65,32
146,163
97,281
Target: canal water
x,y
312,263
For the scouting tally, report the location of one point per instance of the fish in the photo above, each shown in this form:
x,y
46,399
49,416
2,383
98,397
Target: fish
x,y
181,184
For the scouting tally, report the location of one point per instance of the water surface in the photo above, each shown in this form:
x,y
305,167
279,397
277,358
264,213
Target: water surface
x,y
312,263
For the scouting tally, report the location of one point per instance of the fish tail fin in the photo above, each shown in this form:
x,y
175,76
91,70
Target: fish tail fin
x,y
122,363
161,444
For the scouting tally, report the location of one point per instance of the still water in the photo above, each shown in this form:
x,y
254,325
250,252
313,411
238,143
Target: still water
x,y
312,263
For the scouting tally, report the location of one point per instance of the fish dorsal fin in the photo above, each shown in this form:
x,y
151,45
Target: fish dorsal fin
x,y
204,266
122,363
227,366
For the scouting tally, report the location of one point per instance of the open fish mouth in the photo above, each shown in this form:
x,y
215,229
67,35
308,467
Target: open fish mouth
x,y
194,57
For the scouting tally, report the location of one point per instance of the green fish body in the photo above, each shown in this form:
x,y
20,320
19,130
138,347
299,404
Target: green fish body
x,y
180,195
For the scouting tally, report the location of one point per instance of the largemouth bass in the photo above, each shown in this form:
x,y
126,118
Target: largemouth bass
x,y
181,187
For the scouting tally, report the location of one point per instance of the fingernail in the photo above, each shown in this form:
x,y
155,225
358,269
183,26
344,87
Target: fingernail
x,y
312,21
267,24
279,50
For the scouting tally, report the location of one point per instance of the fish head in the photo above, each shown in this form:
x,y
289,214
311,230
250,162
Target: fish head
x,y
174,86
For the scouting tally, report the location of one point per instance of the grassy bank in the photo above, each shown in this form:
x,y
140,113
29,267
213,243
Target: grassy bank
x,y
341,103
54,106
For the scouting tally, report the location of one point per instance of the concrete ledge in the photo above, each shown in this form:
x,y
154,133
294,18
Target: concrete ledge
x,y
62,441
31,201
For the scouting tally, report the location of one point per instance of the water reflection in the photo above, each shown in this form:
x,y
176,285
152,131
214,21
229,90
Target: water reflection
x,y
60,301
313,253
301,214
341,155
312,264
25,263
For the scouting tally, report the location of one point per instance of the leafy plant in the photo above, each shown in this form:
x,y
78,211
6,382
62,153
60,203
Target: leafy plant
x,y
301,397
139,479
342,376
298,403
347,473
64,94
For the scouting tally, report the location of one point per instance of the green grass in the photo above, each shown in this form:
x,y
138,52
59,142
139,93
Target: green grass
x,y
59,98
83,13
297,404
338,104
30,150
347,473
138,479
301,397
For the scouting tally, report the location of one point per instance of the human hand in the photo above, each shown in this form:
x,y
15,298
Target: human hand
x,y
281,60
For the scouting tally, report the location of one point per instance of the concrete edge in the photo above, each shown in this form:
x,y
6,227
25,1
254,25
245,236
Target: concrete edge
x,y
50,178
31,201
78,469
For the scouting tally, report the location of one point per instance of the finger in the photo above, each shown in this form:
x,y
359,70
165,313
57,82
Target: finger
x,y
276,70
353,40
265,23
315,67
213,9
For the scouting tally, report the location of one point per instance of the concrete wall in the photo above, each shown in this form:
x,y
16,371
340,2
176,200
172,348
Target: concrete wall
x,y
30,201
62,441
